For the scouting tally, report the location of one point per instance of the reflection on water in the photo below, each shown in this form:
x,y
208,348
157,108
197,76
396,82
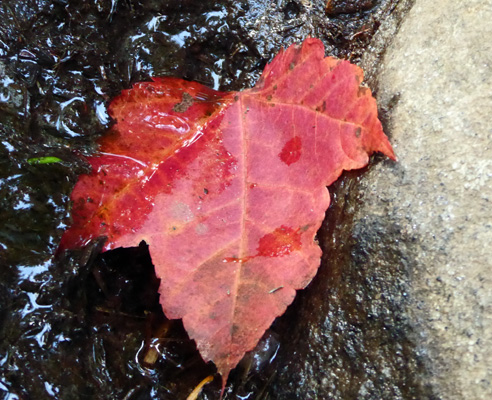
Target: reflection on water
x,y
29,272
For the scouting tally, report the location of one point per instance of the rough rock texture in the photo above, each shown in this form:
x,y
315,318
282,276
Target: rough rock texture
x,y
401,307
436,82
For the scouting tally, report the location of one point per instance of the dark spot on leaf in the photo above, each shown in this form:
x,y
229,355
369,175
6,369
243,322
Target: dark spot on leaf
x,y
358,132
234,329
186,102
291,151
281,242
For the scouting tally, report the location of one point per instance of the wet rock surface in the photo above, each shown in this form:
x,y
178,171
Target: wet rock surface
x,y
354,338
413,253
380,319
439,193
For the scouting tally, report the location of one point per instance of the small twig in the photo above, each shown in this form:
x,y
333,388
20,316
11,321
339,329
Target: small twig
x,y
193,395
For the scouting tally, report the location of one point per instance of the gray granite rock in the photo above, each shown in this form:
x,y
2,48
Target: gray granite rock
x,y
402,305
436,87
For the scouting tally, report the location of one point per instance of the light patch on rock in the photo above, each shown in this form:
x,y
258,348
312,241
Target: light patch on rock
x,y
436,82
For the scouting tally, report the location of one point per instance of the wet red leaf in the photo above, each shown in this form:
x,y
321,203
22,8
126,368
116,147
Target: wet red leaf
x,y
229,189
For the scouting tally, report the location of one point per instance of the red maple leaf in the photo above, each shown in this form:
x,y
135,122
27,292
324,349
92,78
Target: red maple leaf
x,y
229,189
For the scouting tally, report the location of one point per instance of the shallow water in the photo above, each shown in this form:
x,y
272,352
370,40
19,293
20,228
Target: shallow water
x,y
89,326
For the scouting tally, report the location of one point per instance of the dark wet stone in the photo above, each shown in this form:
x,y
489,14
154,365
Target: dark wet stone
x,y
352,337
334,7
